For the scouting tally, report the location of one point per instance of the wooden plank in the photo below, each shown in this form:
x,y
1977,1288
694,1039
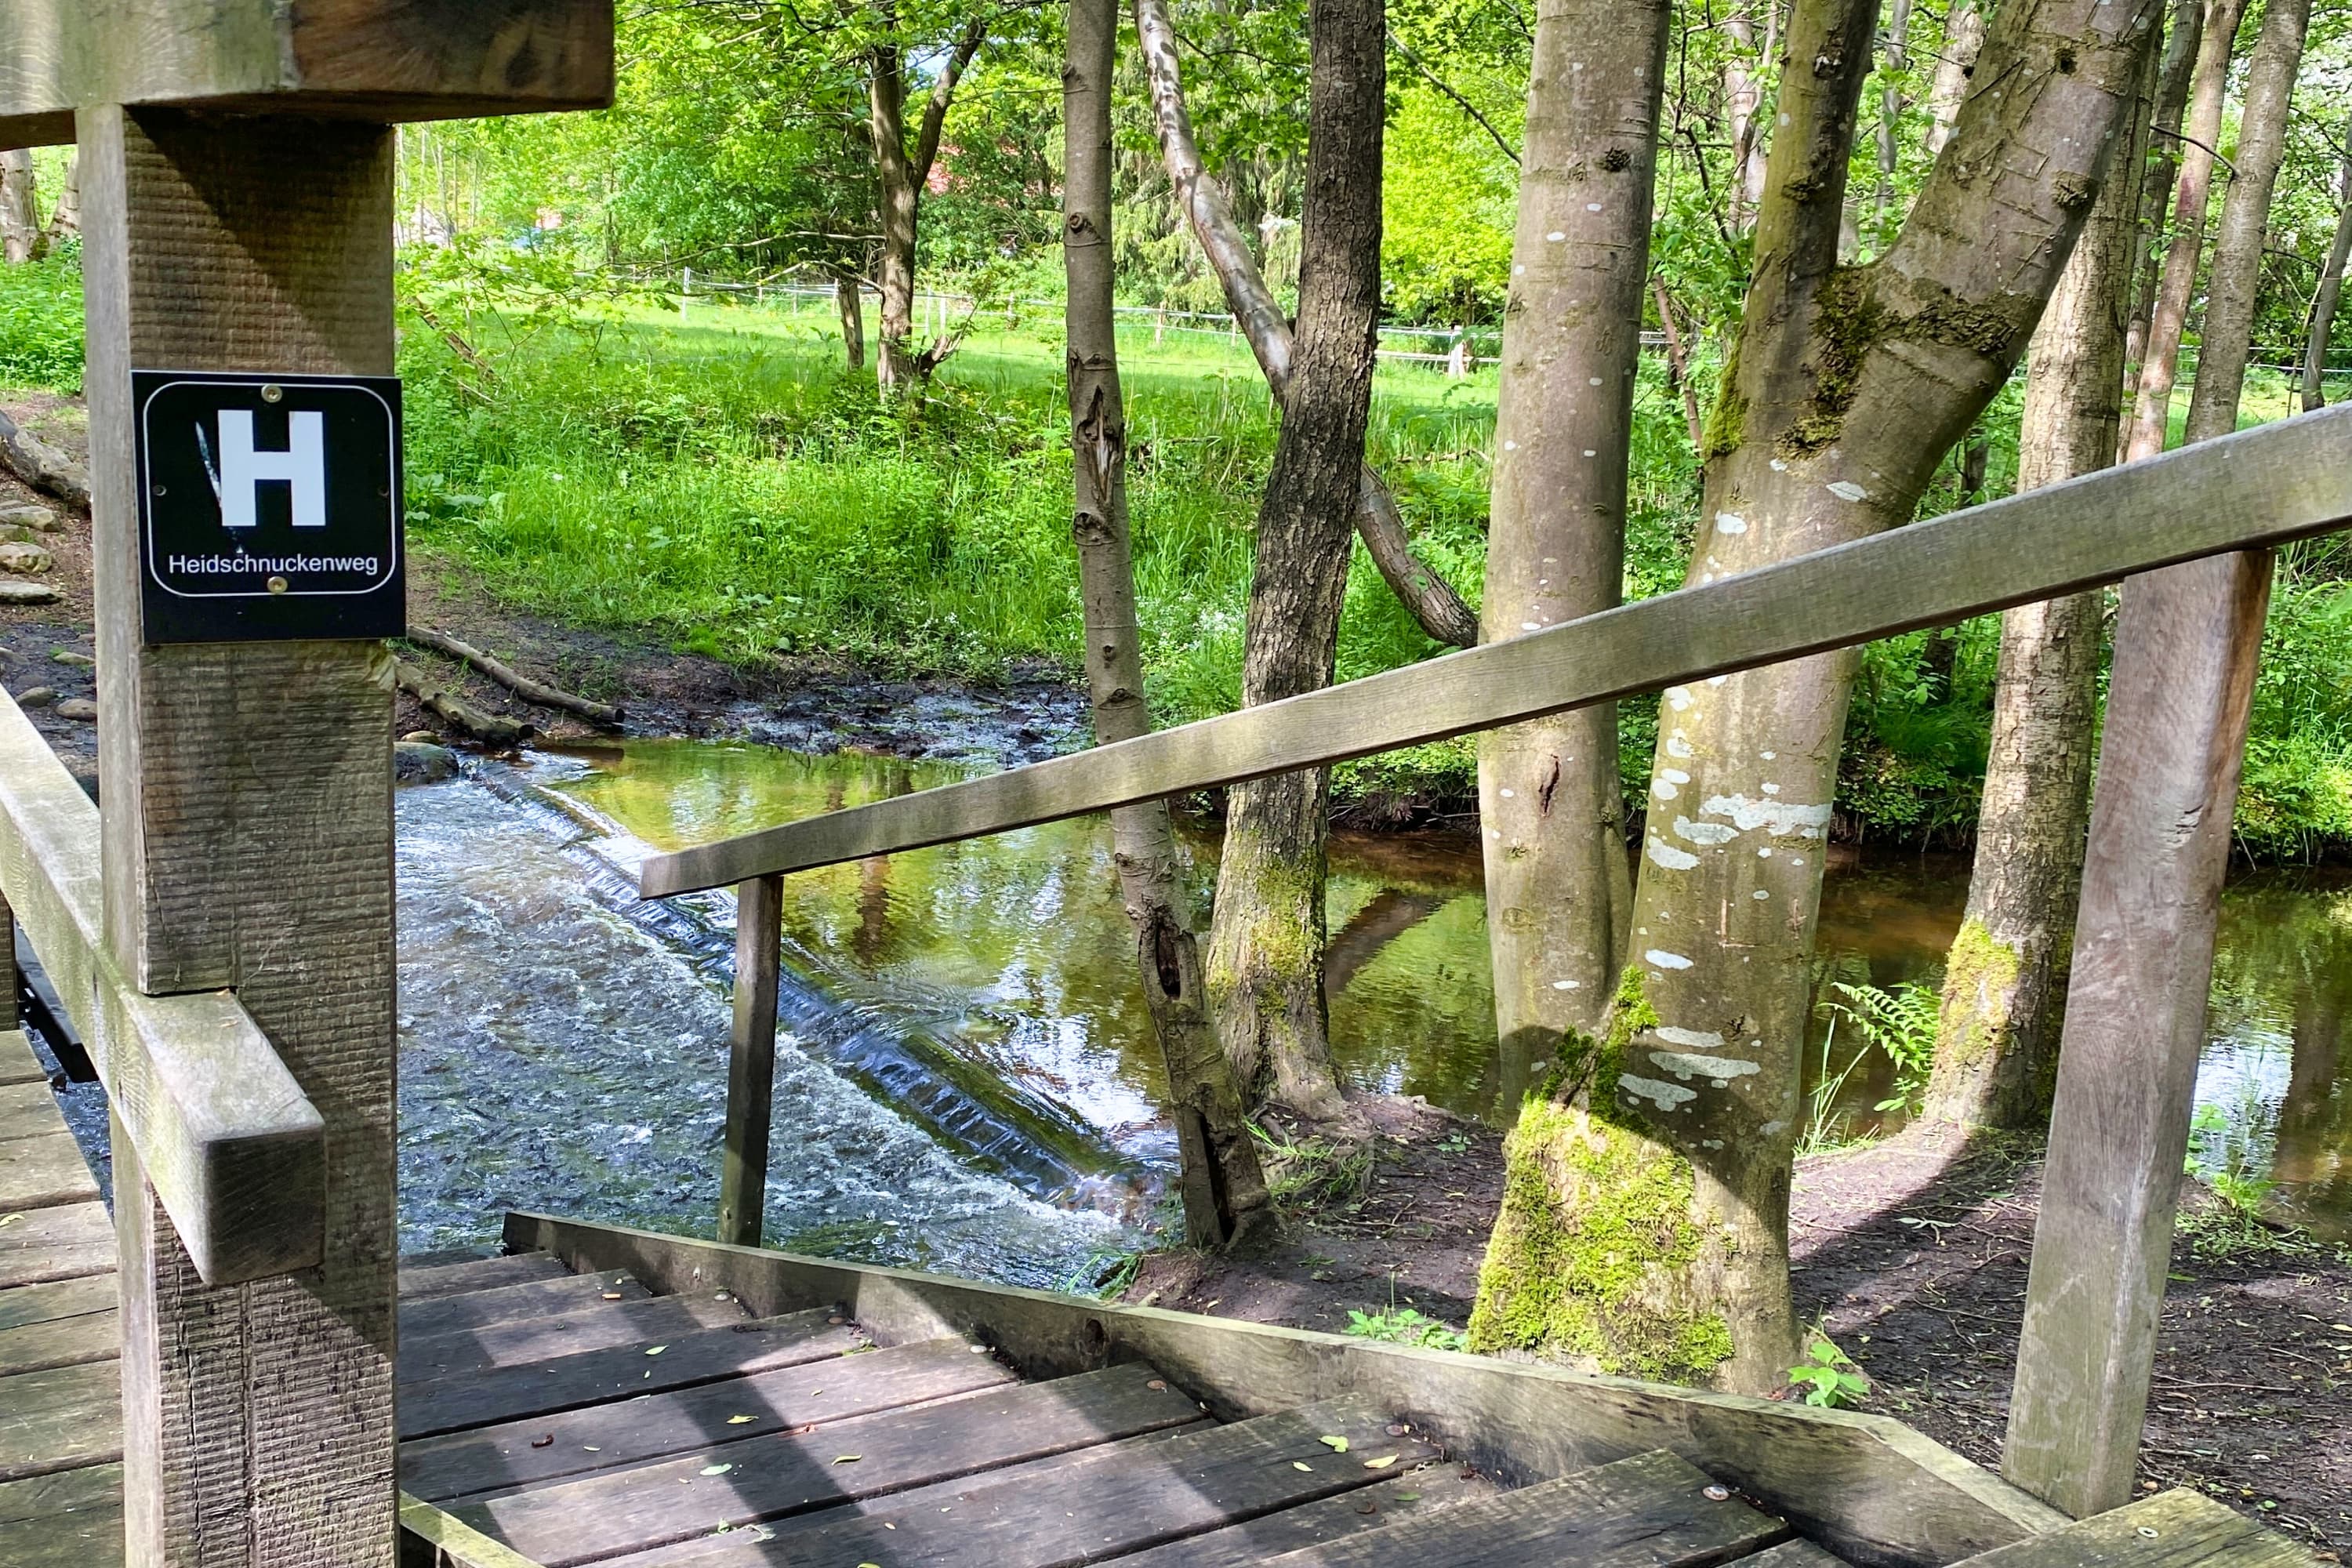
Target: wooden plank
x,y
2265,486
63,1342
543,1339
1410,1496
66,1491
90,1537
28,1109
1867,1487
422,1281
18,1065
232,1145
1100,1504
1794,1554
797,1471
751,1060
1648,1511
405,59
433,1539
249,846
2188,643
40,1245
437,1315
59,1420
57,1301
618,1372
633,1431
2178,1529
45,1171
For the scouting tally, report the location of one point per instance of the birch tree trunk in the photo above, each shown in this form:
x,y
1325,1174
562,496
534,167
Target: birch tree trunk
x,y
1225,1193
1208,210
2324,301
2201,132
20,224
1557,883
1266,951
2226,340
2005,983
1964,33
1847,387
2184,31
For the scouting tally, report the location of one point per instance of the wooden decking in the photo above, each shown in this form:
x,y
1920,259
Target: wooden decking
x,y
60,1398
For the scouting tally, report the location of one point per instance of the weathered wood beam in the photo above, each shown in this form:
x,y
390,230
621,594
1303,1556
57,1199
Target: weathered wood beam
x,y
367,59
752,1059
234,1149
2260,487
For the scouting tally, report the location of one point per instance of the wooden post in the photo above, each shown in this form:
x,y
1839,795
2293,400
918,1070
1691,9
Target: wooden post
x,y
752,1059
246,842
2187,648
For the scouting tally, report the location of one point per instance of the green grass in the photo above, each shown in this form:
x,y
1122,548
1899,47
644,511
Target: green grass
x,y
40,324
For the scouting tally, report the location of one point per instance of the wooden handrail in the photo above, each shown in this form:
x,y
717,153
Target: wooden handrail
x,y
2260,487
235,1152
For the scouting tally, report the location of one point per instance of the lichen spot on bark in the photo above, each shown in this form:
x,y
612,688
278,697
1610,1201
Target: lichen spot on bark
x,y
1596,1231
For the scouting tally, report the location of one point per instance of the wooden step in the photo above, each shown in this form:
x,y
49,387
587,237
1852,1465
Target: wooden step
x,y
643,1321
2178,1529
63,1243
60,1419
1098,1505
801,1470
422,1278
1409,1496
476,1309
533,1450
1653,1510
619,1372
66,1323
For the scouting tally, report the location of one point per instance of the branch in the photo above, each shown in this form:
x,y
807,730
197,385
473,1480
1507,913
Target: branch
x,y
523,686
2214,151
935,112
1400,47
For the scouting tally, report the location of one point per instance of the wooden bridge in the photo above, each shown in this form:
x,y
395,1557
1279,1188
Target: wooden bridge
x,y
234,1367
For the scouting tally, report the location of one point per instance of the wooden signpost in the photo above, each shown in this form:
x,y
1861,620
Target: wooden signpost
x,y
237,188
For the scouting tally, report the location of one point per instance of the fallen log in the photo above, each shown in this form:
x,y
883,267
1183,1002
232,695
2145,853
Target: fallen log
x,y
523,686
40,465
436,698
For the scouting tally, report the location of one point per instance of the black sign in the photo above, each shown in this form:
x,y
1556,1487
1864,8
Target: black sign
x,y
269,506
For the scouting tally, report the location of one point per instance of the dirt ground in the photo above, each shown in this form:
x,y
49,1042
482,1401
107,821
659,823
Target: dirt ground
x,y
1912,1254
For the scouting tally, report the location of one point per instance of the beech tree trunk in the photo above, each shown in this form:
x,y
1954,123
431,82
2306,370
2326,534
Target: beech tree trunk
x,y
1224,1191
2184,31
20,224
1266,951
1964,33
2331,290
902,172
1208,210
849,301
2005,983
1557,883
1846,388
2201,134
2227,337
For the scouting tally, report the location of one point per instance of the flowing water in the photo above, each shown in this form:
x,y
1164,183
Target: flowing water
x,y
965,1079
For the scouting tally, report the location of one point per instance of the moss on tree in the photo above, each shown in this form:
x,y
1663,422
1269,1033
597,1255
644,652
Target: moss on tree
x,y
1596,1225
1980,984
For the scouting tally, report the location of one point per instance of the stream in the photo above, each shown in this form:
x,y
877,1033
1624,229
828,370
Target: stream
x,y
965,1079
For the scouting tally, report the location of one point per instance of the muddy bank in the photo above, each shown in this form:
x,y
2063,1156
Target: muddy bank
x,y
1913,1253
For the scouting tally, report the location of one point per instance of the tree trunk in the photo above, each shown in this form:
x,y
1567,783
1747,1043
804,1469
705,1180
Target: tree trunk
x,y
1896,47
2005,983
901,173
2160,361
1743,101
2184,30
1265,954
2331,288
1225,1193
1679,362
1964,33
2227,336
1558,885
1847,387
1208,209
20,222
65,218
848,299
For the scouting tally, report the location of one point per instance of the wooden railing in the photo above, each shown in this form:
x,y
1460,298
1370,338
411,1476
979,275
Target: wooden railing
x,y
2260,487
236,1152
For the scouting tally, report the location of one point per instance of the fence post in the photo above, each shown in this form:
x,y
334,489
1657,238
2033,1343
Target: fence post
x,y
752,1059
246,842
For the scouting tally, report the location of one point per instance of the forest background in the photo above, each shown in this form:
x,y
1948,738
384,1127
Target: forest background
x,y
618,349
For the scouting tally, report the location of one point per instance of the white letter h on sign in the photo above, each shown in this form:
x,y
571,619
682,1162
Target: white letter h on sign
x,y
244,470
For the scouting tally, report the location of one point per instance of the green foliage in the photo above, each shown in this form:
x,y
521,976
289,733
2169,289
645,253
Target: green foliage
x,y
1827,1375
1900,1023
40,324
1304,1175
1405,1326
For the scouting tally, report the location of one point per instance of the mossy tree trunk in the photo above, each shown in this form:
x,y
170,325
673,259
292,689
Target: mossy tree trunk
x,y
1847,387
1266,951
1557,884
2005,983
1224,1191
